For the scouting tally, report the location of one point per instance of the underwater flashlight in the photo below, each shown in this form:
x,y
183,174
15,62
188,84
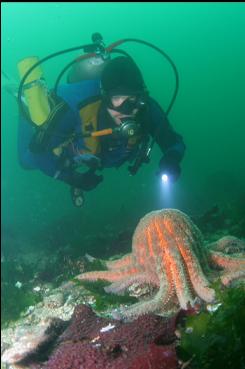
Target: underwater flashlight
x,y
165,178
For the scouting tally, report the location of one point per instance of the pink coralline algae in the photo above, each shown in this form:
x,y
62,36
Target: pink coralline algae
x,y
93,342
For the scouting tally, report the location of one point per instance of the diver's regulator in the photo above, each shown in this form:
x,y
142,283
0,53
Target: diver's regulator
x,y
45,108
127,129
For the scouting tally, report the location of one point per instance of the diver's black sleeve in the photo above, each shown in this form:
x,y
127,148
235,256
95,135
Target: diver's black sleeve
x,y
170,142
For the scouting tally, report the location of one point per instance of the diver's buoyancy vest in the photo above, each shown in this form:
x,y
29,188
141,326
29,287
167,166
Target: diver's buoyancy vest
x,y
89,120
89,113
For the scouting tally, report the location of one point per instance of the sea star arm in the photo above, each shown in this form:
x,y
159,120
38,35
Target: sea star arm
x,y
229,262
119,287
193,274
109,275
153,305
119,263
227,278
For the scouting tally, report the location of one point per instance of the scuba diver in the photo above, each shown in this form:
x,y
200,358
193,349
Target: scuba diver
x,y
102,117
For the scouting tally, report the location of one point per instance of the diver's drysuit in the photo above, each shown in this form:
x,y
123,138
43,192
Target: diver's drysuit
x,y
66,147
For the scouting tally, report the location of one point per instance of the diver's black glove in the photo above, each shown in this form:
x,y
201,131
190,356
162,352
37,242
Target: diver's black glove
x,y
85,181
169,165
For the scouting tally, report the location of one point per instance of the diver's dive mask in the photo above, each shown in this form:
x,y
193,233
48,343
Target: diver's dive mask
x,y
129,126
128,105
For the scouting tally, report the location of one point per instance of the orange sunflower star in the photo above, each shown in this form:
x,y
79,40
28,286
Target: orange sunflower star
x,y
168,253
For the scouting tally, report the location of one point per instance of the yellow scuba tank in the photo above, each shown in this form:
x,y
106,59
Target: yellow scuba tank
x,y
35,92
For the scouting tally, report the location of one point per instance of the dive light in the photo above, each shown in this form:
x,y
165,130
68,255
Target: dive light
x,y
165,178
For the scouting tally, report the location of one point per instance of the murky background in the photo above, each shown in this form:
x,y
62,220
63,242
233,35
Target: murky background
x,y
205,40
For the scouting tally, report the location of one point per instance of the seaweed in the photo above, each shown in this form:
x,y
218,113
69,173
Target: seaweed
x,y
216,340
12,271
105,300
14,301
96,288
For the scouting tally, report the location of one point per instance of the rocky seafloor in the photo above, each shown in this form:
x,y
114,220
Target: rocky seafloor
x,y
42,305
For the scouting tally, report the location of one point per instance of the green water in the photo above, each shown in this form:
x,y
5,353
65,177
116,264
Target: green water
x,y
206,42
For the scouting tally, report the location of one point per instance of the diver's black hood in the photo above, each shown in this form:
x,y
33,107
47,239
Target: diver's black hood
x,y
121,76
